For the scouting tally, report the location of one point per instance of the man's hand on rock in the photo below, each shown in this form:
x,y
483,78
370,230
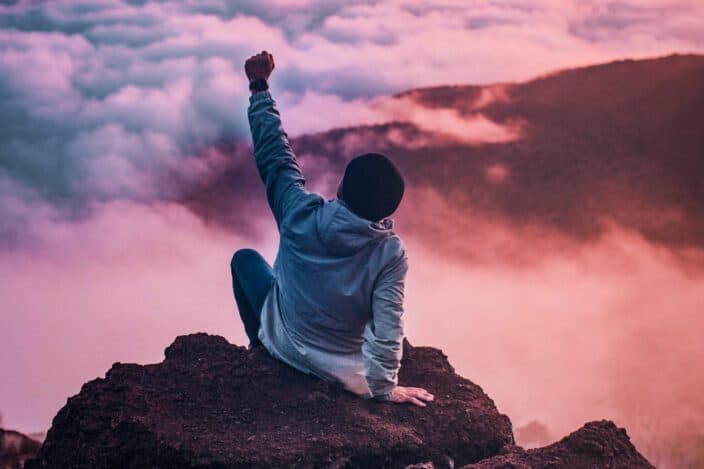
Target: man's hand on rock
x,y
259,66
417,396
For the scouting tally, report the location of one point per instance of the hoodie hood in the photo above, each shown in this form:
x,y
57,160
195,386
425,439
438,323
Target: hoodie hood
x,y
344,233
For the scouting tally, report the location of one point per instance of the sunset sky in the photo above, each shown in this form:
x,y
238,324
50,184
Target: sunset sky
x,y
108,109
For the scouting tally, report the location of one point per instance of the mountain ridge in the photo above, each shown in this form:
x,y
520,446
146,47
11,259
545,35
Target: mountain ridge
x,y
552,74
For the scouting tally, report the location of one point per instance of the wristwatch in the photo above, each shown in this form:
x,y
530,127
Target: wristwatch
x,y
260,84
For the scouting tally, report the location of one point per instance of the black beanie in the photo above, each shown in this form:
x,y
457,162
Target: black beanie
x,y
372,186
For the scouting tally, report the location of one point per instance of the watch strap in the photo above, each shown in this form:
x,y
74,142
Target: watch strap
x,y
260,84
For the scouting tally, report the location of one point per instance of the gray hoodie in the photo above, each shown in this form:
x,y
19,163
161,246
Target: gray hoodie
x,y
335,308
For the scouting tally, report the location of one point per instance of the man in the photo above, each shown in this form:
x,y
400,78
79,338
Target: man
x,y
332,304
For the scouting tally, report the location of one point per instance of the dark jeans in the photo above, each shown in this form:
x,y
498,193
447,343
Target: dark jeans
x,y
251,279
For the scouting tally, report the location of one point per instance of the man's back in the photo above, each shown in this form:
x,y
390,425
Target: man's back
x,y
333,303
328,262
328,265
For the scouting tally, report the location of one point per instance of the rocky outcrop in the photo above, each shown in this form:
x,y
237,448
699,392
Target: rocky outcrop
x,y
595,445
16,448
211,404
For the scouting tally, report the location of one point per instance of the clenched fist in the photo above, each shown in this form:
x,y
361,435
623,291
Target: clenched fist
x,y
259,66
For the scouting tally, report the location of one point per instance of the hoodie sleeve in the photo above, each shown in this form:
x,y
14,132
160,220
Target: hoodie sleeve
x,y
276,162
383,334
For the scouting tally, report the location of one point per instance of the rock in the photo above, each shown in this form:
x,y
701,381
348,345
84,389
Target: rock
x,y
212,404
16,448
596,444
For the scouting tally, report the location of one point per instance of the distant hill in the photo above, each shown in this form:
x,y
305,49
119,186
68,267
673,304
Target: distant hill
x,y
620,142
16,448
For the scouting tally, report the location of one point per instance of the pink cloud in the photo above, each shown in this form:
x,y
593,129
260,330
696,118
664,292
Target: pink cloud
x,y
579,326
314,112
104,290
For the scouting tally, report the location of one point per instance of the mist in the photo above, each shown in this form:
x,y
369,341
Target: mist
x,y
562,336
607,330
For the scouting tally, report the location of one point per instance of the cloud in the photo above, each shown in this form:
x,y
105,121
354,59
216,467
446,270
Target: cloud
x,y
580,326
450,125
314,112
105,289
172,72
622,21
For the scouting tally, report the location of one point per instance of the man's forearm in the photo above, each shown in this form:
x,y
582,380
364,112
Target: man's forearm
x,y
383,334
382,360
273,154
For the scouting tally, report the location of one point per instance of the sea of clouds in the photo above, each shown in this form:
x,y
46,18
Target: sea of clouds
x,y
101,97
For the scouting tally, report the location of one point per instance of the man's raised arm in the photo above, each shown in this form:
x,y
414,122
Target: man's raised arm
x,y
274,156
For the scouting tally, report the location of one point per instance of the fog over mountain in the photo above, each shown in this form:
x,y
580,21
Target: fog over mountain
x,y
574,152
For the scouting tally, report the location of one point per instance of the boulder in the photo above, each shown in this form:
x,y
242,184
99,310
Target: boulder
x,y
211,404
595,445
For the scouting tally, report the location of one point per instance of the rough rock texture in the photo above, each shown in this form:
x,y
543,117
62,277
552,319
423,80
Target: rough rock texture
x,y
596,445
211,404
16,448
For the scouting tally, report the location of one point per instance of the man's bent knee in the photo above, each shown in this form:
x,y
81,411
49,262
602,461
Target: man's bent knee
x,y
241,255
